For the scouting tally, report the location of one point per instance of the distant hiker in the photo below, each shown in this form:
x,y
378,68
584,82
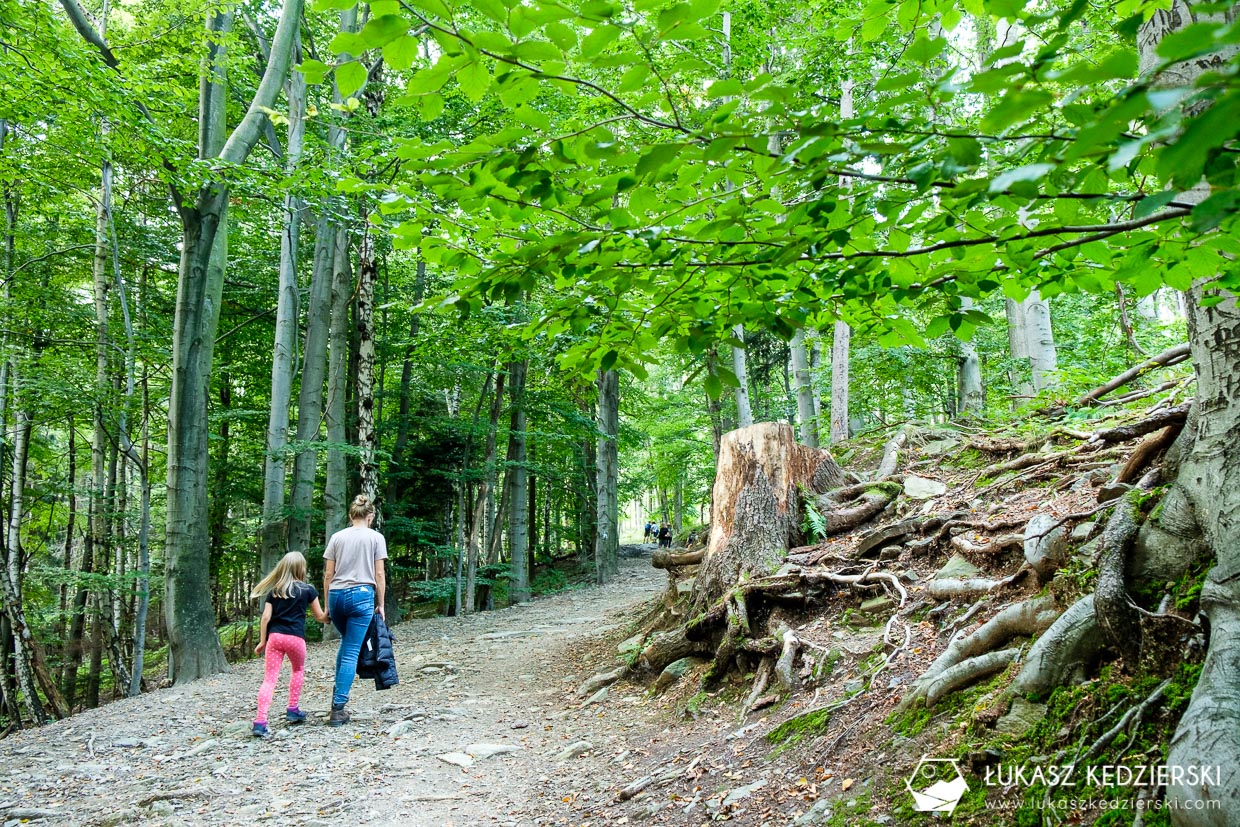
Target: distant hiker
x,y
646,536
282,631
665,536
692,539
355,584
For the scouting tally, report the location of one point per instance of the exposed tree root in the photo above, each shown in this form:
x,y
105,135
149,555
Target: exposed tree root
x,y
1130,721
760,682
1118,617
1072,642
1168,357
949,588
668,559
602,679
1029,617
1147,451
995,546
877,497
785,667
891,454
1154,422
967,672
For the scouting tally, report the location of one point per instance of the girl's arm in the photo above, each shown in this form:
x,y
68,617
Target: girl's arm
x,y
319,614
262,628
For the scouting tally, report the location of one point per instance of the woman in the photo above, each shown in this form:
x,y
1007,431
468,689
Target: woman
x,y
354,582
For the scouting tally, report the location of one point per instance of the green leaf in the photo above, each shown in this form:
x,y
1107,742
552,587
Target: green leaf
x,y
347,43
656,158
1004,181
380,31
599,39
714,387
350,77
1190,41
474,79
731,87
314,70
400,53
1209,214
1153,203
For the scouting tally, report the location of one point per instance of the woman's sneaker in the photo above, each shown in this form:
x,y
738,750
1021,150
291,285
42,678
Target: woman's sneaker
x,y
260,731
295,716
338,717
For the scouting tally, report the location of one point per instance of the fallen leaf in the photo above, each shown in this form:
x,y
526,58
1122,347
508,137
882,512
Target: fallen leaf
x,y
846,783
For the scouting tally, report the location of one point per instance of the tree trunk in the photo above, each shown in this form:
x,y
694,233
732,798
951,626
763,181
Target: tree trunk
x,y
1018,352
969,395
12,577
839,382
313,373
396,465
607,540
1040,342
217,511
1208,733
744,412
194,648
757,507
310,412
274,540
367,274
807,417
518,516
335,488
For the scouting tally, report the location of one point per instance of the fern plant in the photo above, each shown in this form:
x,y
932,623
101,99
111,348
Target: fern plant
x,y
814,525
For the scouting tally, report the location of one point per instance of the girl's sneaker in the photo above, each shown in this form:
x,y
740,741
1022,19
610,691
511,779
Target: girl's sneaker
x,y
260,730
295,715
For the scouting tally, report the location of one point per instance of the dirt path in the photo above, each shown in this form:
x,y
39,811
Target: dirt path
x,y
502,680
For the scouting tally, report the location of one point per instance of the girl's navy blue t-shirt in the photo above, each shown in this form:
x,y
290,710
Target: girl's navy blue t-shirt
x,y
288,614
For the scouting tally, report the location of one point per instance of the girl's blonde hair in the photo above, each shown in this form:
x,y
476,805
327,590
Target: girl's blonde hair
x,y
361,507
290,569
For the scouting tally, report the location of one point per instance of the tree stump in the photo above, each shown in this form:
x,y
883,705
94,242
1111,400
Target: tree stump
x,y
756,512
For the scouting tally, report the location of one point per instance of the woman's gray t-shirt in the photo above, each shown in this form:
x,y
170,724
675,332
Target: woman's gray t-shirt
x,y
355,550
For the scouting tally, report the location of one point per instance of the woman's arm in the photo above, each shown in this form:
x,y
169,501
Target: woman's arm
x,y
329,571
319,615
380,587
262,628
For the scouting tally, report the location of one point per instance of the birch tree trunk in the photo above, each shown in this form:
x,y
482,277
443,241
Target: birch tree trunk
x,y
367,272
744,413
839,381
807,417
22,640
606,539
841,333
274,541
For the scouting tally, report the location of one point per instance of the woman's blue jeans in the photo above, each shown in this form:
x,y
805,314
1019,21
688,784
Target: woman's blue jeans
x,y
351,610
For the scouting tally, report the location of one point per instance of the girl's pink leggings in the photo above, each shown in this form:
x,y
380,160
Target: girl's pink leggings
x,y
278,646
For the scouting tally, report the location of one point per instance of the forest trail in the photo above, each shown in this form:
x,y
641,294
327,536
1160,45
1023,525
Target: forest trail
x,y
503,679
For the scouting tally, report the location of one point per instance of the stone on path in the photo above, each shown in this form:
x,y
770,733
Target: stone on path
x,y
920,488
457,759
481,751
597,698
399,728
741,793
957,568
573,750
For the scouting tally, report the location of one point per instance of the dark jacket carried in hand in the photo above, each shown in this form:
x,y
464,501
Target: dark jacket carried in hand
x,y
377,659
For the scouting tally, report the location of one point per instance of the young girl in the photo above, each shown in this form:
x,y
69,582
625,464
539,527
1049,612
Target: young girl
x,y
283,632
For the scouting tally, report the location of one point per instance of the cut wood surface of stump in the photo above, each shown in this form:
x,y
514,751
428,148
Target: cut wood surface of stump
x,y
757,508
